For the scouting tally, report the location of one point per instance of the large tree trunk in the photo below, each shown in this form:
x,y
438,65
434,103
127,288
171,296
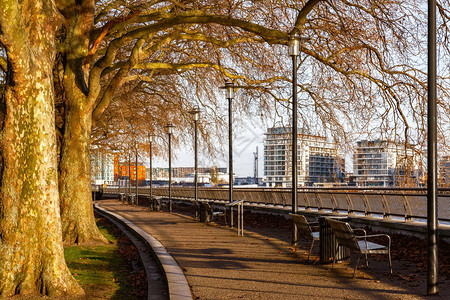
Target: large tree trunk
x,y
77,214
31,252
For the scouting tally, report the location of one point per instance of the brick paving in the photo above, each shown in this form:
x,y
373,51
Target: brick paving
x,y
218,264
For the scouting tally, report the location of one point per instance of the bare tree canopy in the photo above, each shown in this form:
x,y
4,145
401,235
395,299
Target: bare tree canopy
x,y
362,72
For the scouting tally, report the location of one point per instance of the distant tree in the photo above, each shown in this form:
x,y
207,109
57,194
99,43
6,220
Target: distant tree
x,y
214,175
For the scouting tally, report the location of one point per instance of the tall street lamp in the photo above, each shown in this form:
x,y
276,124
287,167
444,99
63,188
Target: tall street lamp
x,y
196,114
229,94
294,52
169,129
129,174
150,140
432,204
136,180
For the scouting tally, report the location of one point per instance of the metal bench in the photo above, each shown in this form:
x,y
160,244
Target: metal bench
x,y
212,214
304,228
131,198
345,236
122,197
157,203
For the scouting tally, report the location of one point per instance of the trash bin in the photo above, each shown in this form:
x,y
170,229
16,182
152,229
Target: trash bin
x,y
205,214
150,202
328,242
130,198
156,203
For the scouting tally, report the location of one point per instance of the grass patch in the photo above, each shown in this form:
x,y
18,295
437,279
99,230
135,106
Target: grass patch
x,y
103,271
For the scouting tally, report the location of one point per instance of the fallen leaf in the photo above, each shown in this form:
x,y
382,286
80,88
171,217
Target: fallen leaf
x,y
404,277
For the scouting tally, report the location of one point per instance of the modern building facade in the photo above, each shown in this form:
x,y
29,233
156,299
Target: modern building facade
x,y
185,175
189,171
318,159
384,163
131,172
444,171
102,167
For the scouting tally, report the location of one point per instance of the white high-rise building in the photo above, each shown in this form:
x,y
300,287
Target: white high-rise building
x,y
102,167
318,159
383,163
444,171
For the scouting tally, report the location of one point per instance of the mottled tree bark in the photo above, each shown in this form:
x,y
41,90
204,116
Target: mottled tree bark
x,y
78,223
77,215
31,251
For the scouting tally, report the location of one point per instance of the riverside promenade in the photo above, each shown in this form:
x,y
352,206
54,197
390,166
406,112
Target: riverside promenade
x,y
219,264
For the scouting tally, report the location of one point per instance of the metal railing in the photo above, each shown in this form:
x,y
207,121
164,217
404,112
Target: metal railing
x,y
404,203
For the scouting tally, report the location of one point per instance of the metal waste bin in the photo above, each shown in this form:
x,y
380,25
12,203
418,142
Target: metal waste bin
x,y
205,214
150,202
156,203
328,242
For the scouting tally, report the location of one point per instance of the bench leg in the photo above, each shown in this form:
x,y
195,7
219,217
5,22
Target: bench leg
x,y
356,267
390,262
310,249
335,253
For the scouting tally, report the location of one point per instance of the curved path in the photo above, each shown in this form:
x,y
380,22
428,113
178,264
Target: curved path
x,y
177,287
218,264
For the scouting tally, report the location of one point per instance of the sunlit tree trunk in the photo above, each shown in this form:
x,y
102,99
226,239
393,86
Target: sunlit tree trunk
x,y
31,252
77,215
78,223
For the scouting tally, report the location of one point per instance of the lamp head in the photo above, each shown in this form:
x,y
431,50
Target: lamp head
x,y
294,42
169,128
229,89
195,112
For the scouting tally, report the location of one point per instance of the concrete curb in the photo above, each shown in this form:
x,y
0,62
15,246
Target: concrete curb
x,y
176,281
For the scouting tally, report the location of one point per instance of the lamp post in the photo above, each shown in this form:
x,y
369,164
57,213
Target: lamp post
x,y
169,129
129,173
196,114
136,179
229,94
150,140
294,52
432,207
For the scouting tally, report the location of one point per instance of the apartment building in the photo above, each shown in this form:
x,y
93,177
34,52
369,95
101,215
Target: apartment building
x,y
384,163
157,173
444,171
318,159
189,171
132,172
102,167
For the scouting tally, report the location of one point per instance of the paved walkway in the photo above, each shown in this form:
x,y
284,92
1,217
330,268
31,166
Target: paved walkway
x,y
218,264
